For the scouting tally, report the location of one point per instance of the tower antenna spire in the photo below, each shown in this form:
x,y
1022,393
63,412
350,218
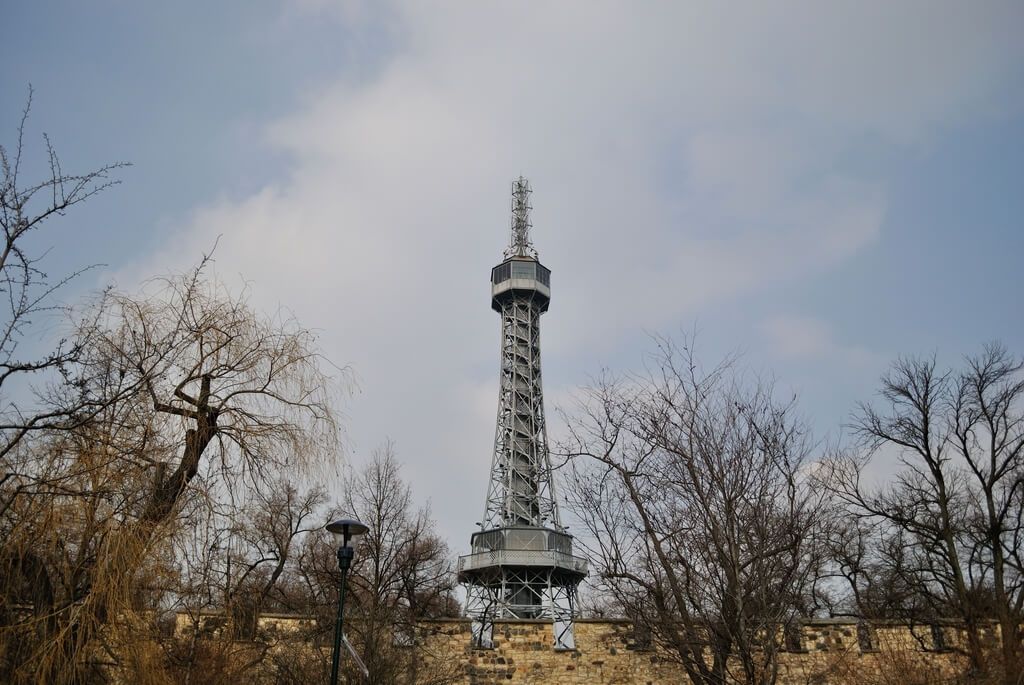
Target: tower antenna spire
x,y
520,245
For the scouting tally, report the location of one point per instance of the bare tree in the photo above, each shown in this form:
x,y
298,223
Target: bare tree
x,y
402,573
698,514
276,523
28,292
270,555
235,563
873,563
957,503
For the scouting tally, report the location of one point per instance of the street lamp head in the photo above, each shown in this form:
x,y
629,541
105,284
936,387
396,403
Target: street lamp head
x,y
347,529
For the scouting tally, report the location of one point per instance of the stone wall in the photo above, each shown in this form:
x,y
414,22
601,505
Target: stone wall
x,y
822,652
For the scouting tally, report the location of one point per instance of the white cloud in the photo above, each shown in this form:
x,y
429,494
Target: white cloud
x,y
812,340
682,155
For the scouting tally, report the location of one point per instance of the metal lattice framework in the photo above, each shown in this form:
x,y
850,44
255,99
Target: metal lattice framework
x,y
520,492
521,566
522,592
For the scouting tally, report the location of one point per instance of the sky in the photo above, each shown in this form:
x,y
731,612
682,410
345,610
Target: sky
x,y
821,186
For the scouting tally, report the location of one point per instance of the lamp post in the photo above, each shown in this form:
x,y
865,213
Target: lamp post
x,y
346,529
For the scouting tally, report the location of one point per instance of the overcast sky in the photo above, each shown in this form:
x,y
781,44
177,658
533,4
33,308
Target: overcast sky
x,y
823,186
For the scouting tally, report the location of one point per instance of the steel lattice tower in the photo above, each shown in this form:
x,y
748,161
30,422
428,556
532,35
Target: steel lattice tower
x,y
521,565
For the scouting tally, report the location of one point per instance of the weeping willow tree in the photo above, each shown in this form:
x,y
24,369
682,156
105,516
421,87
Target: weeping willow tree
x,y
195,397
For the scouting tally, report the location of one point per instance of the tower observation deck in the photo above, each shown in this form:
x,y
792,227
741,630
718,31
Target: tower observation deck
x,y
521,564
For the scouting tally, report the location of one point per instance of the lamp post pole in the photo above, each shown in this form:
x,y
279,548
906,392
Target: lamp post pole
x,y
347,529
345,554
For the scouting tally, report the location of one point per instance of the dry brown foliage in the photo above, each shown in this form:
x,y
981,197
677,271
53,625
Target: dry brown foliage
x,y
200,401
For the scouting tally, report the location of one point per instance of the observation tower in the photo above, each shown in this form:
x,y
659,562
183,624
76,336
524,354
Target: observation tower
x,y
521,564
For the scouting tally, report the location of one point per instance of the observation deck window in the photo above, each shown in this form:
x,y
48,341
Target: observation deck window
x,y
521,269
489,541
525,540
560,543
524,270
502,272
